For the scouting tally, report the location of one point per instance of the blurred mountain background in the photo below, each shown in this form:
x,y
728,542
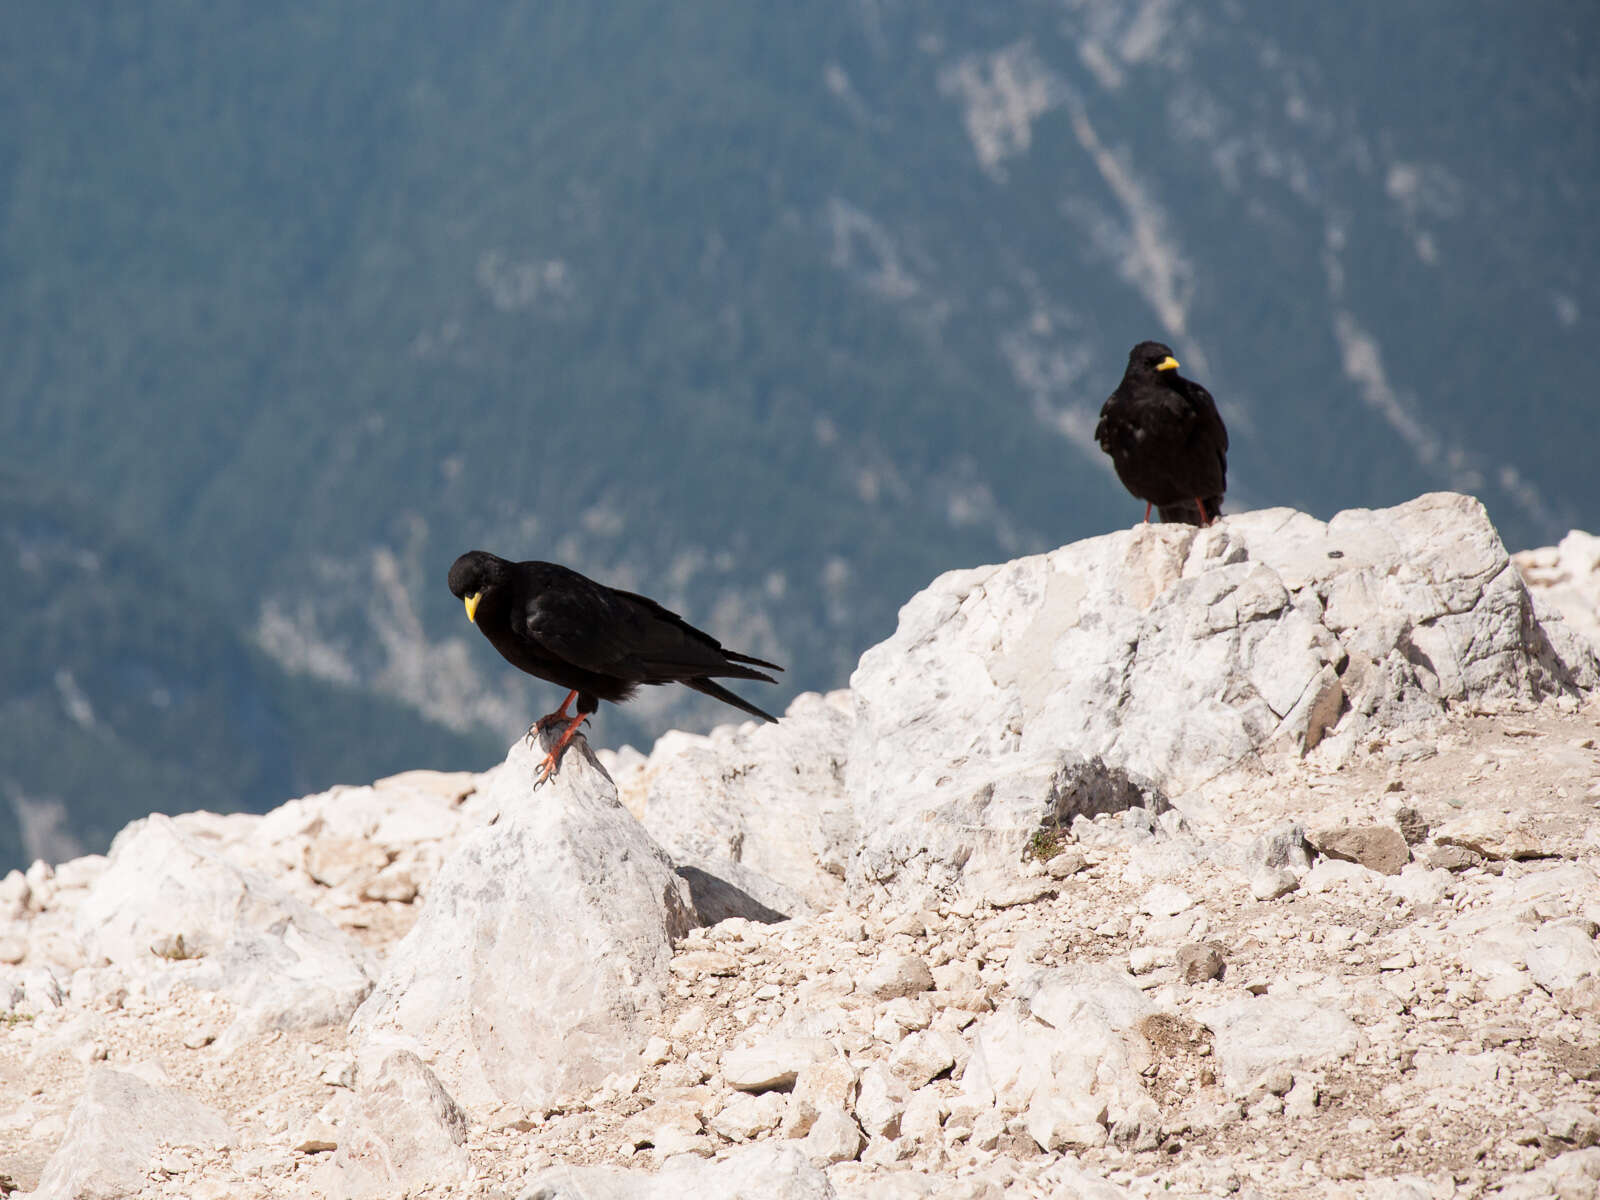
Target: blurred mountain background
x,y
771,312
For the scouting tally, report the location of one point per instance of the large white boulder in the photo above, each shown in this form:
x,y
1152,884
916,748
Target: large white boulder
x,y
758,807
1565,580
1135,666
543,946
114,1132
170,907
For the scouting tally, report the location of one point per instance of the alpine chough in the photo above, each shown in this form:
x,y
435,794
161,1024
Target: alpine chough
x,y
1166,438
596,641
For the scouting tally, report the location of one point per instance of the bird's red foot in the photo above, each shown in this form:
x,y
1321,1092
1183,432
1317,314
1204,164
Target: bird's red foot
x,y
1198,503
552,760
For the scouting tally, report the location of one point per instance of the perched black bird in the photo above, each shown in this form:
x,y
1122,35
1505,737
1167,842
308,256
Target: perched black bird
x,y
598,642
1166,438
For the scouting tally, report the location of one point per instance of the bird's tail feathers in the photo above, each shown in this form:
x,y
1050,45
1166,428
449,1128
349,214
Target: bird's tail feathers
x,y
735,656
717,692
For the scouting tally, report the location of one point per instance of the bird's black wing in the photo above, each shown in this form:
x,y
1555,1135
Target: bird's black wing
x,y
1210,432
618,634
1210,419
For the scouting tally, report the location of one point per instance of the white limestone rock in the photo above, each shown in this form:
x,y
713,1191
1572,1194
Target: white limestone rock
x,y
543,945
404,1133
113,1134
773,1062
757,806
768,1171
167,898
1120,669
1254,1035
1069,1038
834,1137
1564,580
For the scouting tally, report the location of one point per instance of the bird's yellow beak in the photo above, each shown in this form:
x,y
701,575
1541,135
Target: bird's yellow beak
x,y
1167,364
472,606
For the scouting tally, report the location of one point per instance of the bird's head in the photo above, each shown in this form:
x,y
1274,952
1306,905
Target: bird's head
x,y
472,575
1152,357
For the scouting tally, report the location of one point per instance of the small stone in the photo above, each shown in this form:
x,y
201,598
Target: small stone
x,y
1275,1082
1398,962
1301,1100
40,877
1199,962
1412,827
1269,883
774,1063
834,1138
672,1126
340,1072
1021,891
14,894
898,975
313,1135
1068,862
697,963
906,925
829,1082
901,1016
395,883
1573,1124
1059,1123
921,1058
197,1039
880,1100
335,861
957,977
1144,959
13,947
923,1117
657,1051
987,1129
1377,847
1448,858
743,1117
690,1022
1165,900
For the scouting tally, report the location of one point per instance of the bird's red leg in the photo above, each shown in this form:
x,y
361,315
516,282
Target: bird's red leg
x,y
560,714
552,760
1198,503
1147,512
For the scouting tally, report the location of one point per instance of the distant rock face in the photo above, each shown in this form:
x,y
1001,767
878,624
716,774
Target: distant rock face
x,y
1137,665
543,945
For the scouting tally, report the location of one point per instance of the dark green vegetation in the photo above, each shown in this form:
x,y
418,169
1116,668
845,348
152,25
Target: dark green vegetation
x,y
127,693
772,312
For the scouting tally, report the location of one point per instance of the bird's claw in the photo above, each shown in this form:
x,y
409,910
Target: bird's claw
x,y
546,769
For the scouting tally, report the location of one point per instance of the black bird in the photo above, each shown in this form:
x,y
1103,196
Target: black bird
x,y
1166,438
596,641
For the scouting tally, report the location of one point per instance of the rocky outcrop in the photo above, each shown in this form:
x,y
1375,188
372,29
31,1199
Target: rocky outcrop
x,y
1261,859
1564,581
167,898
1144,664
543,947
115,1130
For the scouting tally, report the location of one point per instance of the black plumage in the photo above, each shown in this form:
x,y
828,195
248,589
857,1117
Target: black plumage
x,y
1166,438
598,642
